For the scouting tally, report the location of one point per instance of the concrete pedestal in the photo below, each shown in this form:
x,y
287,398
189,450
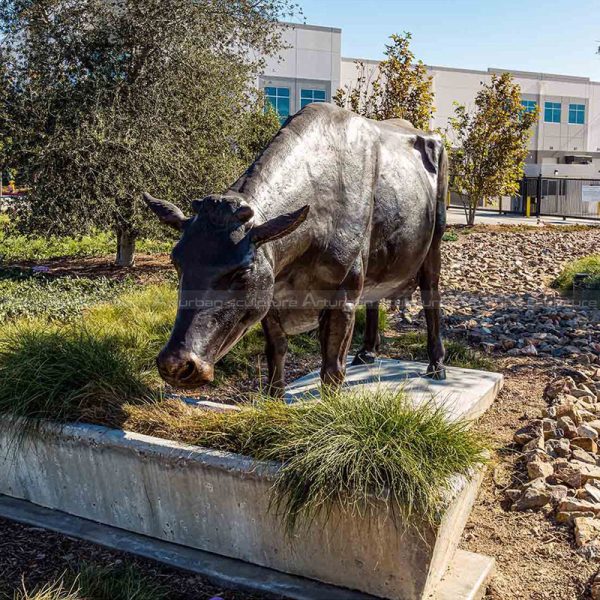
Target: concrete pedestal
x,y
465,393
217,503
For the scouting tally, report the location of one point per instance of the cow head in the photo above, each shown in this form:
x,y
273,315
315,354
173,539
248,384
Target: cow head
x,y
225,283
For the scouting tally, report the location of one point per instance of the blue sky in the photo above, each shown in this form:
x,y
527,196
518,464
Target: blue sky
x,y
553,36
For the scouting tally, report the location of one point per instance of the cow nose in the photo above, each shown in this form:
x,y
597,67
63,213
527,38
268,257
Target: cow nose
x,y
183,368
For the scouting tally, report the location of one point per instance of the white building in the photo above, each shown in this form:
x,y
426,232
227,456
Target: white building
x,y
566,140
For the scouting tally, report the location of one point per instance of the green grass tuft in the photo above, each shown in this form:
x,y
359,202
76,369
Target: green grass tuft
x,y
122,583
52,591
587,264
96,583
66,374
348,451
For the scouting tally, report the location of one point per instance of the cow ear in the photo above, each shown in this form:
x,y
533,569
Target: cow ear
x,y
278,227
168,213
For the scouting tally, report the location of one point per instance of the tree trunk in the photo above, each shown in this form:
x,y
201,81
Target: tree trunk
x,y
125,248
473,202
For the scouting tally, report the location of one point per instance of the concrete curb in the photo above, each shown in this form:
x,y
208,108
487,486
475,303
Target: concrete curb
x,y
467,576
223,571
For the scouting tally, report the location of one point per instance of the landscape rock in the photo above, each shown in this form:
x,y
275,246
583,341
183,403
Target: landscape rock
x,y
585,443
586,431
535,494
558,448
538,468
568,427
569,475
581,455
569,517
528,433
578,505
587,536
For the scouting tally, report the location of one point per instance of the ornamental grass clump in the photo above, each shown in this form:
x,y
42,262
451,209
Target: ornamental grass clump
x,y
348,451
65,374
590,265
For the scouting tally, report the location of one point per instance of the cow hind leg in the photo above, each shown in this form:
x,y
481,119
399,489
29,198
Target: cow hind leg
x,y
367,353
430,295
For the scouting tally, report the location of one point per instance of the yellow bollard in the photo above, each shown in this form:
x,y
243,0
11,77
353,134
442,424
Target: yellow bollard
x,y
528,206
448,199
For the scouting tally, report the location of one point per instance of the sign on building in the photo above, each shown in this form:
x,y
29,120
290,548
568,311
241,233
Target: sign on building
x,y
590,193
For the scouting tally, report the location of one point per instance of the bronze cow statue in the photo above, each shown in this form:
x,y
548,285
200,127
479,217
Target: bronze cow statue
x,y
337,210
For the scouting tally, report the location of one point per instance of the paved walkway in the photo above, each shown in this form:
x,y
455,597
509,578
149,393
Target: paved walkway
x,y
456,216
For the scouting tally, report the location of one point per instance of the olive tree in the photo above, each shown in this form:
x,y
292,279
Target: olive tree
x,y
488,145
400,87
108,98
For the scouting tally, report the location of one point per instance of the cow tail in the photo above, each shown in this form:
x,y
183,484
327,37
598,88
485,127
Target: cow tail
x,y
442,192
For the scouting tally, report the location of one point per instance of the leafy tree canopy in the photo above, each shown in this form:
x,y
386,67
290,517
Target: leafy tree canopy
x,y
400,88
107,98
489,145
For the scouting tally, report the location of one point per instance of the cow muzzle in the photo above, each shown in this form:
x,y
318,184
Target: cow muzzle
x,y
184,369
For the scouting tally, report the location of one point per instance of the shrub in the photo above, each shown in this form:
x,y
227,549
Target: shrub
x,y
349,450
450,236
588,264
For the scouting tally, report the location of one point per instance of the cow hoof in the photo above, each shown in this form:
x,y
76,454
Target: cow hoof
x,y
363,357
436,372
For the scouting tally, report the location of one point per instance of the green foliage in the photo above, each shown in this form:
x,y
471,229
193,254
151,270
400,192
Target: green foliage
x,y
400,88
108,98
588,264
413,346
257,130
15,247
488,146
349,451
450,236
28,296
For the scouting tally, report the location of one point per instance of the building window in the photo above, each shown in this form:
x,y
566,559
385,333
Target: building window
x,y
552,112
279,97
529,105
308,96
576,114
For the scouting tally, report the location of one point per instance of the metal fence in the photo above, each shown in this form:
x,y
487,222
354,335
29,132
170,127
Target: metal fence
x,y
546,196
503,205
562,197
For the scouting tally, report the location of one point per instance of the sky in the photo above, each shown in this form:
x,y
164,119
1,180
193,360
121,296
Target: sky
x,y
551,36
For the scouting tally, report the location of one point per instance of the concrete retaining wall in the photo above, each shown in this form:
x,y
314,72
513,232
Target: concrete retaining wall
x,y
218,502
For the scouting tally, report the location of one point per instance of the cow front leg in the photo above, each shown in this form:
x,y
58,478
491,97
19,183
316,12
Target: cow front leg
x,y
367,353
429,278
335,334
276,349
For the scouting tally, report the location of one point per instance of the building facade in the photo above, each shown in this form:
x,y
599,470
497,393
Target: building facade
x,y
566,139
